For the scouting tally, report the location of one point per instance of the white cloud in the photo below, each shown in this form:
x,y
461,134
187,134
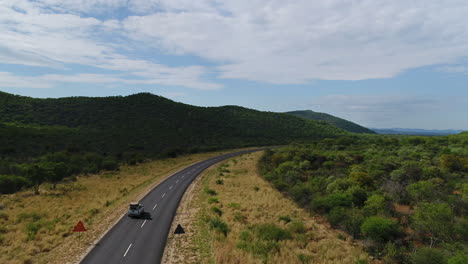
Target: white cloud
x,y
32,35
10,80
274,41
294,42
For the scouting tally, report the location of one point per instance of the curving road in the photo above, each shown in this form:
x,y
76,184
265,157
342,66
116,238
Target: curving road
x,y
143,240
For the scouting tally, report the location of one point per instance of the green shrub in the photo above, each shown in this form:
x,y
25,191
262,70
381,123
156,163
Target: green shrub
x,y
427,255
257,246
213,200
376,205
12,183
110,164
337,216
234,205
218,225
332,201
32,229
433,219
304,259
379,229
421,191
459,258
211,191
285,218
271,232
216,210
296,226
219,181
256,188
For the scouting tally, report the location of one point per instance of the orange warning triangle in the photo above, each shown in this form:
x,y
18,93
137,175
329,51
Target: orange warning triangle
x,y
79,227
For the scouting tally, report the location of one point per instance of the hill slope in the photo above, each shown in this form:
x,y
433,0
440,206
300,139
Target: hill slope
x,y
336,121
73,135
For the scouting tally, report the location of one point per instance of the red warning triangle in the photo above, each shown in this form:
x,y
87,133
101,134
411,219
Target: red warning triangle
x,y
79,227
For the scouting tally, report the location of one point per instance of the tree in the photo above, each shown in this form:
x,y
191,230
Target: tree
x,y
379,229
376,205
427,255
362,178
433,220
421,191
451,162
459,258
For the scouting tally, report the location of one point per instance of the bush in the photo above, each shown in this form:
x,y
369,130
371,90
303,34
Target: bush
x,y
211,191
379,229
218,225
332,201
297,226
12,183
234,205
219,181
285,218
421,191
427,255
376,205
459,258
337,216
213,200
271,232
110,164
216,210
433,220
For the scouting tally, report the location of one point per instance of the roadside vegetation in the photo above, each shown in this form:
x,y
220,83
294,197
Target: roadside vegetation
x,y
47,140
236,216
404,197
38,228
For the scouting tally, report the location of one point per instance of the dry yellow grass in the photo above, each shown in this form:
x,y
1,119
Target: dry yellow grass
x,y
247,200
38,228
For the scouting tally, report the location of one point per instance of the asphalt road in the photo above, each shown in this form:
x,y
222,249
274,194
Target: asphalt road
x,y
143,240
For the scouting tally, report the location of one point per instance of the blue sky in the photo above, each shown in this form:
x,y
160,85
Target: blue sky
x,y
378,63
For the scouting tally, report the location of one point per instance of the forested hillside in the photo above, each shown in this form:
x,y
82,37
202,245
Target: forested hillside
x,y
406,197
336,121
48,139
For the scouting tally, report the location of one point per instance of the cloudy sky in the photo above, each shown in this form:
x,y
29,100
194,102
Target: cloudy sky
x,y
380,63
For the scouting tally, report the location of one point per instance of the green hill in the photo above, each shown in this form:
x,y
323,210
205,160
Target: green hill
x,y
336,121
48,139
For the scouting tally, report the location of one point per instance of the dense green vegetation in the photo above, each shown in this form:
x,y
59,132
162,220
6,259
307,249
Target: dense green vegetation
x,y
406,197
336,121
49,139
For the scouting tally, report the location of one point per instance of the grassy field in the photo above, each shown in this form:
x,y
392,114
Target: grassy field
x,y
232,215
38,228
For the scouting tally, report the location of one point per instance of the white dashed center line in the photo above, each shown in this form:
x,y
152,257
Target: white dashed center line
x,y
164,195
143,224
177,181
155,206
171,187
127,250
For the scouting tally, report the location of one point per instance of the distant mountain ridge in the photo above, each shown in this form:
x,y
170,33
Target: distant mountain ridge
x,y
417,131
336,121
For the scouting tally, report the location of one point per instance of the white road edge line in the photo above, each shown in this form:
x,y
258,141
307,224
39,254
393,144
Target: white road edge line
x,y
143,224
164,195
155,206
127,250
